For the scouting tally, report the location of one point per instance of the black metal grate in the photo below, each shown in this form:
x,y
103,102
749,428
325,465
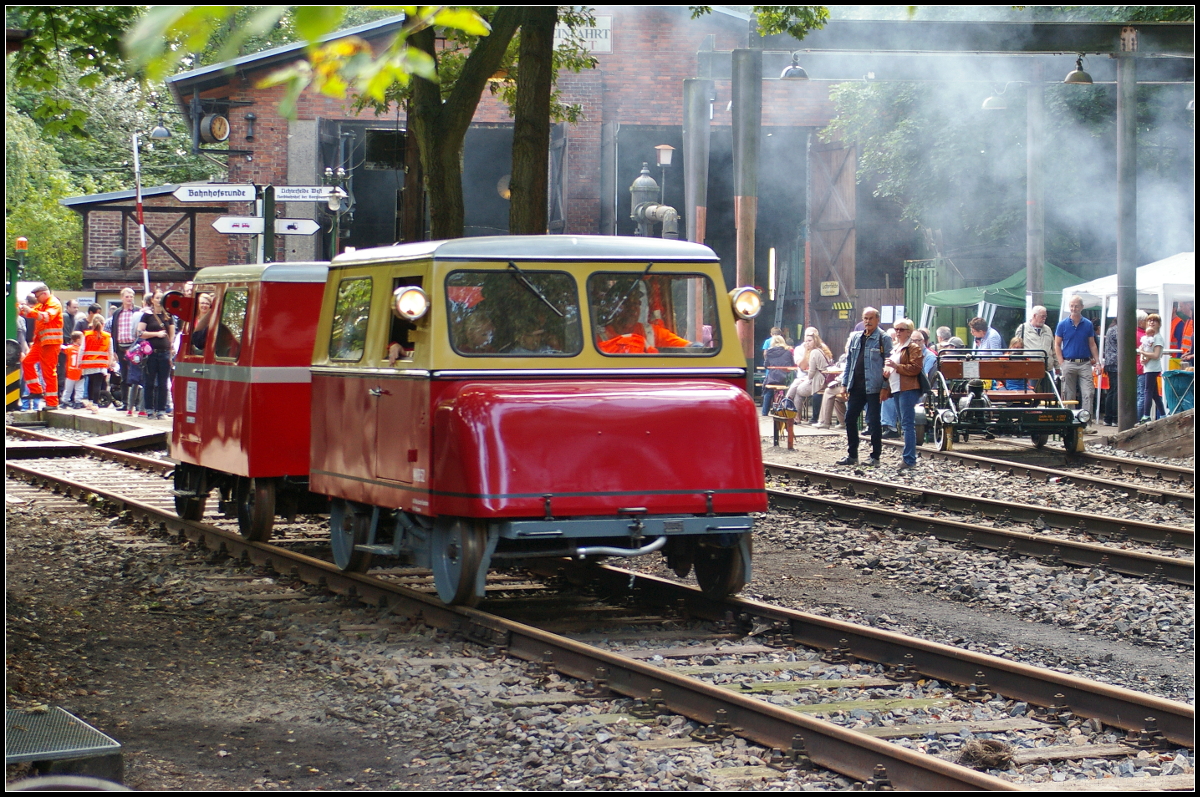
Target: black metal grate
x,y
52,735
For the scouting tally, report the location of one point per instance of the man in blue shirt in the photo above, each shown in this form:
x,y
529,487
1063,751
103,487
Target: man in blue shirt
x,y
985,336
1075,348
867,351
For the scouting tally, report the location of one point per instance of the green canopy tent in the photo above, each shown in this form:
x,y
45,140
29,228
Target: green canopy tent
x,y
1008,292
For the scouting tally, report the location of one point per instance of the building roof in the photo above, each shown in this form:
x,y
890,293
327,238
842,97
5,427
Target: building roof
x,y
117,196
209,77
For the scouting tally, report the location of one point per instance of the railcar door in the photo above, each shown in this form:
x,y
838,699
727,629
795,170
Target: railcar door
x,y
401,398
224,387
188,380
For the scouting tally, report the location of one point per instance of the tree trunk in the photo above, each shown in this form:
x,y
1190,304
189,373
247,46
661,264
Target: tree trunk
x,y
440,127
531,129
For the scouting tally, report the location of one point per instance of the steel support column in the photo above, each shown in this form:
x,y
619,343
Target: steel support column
x,y
747,125
1127,239
698,95
1035,193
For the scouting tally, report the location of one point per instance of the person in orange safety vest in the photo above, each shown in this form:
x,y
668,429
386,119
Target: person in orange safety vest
x,y
44,345
626,333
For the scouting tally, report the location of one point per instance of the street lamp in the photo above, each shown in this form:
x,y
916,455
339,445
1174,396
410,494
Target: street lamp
x,y
159,132
662,154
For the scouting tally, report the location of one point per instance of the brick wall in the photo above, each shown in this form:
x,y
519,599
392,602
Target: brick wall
x,y
639,83
107,229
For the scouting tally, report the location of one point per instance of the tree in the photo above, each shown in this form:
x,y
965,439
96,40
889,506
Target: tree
x,y
34,181
796,20
531,132
440,124
85,39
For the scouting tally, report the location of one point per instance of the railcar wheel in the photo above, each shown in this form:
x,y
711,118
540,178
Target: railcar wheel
x,y
190,479
256,508
722,571
457,555
943,435
1040,440
349,527
1073,440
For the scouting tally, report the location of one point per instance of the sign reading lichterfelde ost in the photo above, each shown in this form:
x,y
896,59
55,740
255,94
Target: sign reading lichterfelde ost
x,y
216,193
597,38
303,193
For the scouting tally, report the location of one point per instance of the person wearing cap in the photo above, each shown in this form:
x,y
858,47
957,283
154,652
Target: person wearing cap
x,y
44,345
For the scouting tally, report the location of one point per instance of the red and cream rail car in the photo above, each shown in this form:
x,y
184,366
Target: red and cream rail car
x,y
483,401
242,390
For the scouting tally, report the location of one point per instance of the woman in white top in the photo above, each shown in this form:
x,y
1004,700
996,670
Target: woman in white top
x,y
1150,353
812,358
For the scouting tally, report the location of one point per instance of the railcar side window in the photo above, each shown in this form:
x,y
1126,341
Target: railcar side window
x,y
351,311
202,323
234,306
664,314
518,312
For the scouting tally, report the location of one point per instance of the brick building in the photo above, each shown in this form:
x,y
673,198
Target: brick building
x,y
632,102
179,239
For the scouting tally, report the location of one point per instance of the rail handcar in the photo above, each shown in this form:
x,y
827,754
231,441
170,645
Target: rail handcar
x,y
242,390
961,403
488,400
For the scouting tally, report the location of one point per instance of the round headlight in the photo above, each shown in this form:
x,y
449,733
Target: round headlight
x,y
947,416
747,302
410,302
1083,416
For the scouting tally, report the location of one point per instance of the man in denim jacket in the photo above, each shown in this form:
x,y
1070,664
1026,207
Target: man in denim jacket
x,y
862,380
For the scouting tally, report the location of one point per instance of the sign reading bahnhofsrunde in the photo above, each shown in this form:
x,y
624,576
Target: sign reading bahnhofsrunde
x,y
303,193
215,193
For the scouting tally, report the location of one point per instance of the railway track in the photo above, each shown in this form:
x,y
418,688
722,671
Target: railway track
x,y
858,500
846,751
1132,467
1137,492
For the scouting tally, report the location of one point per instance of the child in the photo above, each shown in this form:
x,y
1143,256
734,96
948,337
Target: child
x,y
73,392
97,357
1016,384
134,377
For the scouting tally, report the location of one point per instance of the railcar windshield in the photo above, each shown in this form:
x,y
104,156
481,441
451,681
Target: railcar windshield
x,y
234,307
648,313
518,312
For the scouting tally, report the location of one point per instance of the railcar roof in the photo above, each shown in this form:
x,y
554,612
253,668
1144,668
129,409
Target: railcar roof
x,y
263,272
535,248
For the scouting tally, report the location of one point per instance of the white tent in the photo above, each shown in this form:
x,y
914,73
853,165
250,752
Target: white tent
x,y
1159,286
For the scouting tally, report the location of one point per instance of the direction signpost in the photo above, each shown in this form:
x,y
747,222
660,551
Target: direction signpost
x,y
244,225
303,193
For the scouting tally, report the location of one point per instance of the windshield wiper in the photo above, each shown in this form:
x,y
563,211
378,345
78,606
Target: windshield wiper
x,y
617,310
520,275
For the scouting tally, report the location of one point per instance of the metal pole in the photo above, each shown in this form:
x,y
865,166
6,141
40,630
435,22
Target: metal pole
x,y
697,98
747,124
268,216
137,180
1035,193
1127,236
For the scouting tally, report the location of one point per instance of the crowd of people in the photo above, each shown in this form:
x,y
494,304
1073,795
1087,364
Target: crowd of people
x,y
885,374
79,360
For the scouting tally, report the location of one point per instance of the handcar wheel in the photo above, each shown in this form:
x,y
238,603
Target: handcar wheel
x,y
348,528
1073,440
256,508
457,555
1040,440
942,435
720,571
190,479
